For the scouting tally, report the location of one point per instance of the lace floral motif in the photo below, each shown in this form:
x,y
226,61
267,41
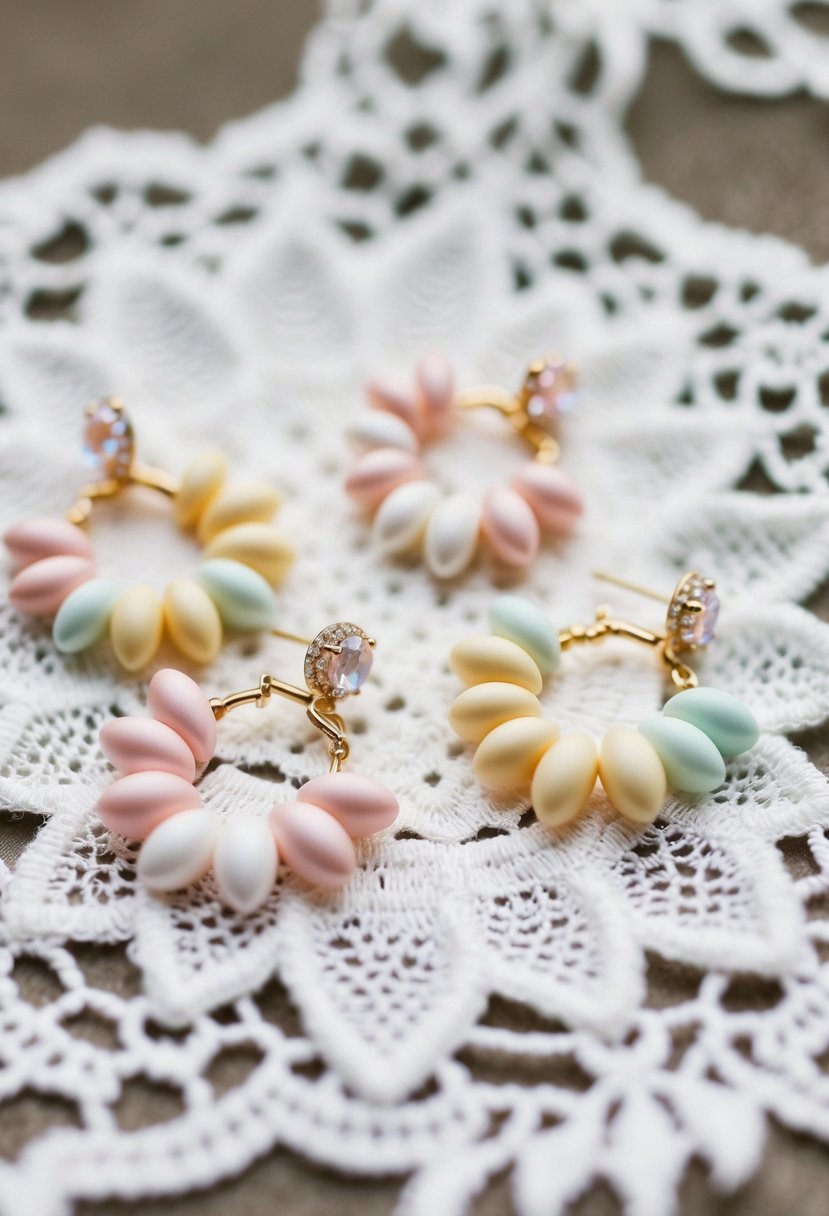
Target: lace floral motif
x,y
470,196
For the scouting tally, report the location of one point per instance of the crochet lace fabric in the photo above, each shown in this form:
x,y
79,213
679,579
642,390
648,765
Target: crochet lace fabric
x,y
450,177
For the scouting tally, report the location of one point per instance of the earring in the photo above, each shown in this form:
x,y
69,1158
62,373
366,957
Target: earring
x,y
159,758
410,511
243,556
684,746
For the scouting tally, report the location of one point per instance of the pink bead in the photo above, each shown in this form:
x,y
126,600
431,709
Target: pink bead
x,y
136,804
385,395
551,494
379,472
41,588
361,804
177,701
38,538
136,744
312,843
436,386
510,527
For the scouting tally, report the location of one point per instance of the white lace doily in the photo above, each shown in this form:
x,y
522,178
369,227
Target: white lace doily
x,y
444,177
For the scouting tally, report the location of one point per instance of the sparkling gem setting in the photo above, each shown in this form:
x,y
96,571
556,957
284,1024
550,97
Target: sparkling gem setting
x,y
109,440
688,629
550,390
338,661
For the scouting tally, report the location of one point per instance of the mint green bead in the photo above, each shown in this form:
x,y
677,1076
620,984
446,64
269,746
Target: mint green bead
x,y
730,726
243,598
522,622
83,617
691,761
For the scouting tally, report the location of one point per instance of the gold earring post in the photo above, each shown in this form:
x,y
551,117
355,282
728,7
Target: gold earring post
x,y
604,577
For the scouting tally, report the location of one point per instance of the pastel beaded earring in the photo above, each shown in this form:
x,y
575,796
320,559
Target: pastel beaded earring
x,y
684,746
410,511
243,556
160,758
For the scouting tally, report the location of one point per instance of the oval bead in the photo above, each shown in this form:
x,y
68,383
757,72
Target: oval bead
x,y
402,516
510,527
436,388
244,864
632,774
177,701
136,626
200,483
41,588
552,495
83,617
247,502
380,471
134,745
35,539
399,400
312,842
179,851
523,622
452,535
564,779
380,429
691,761
243,598
509,754
729,724
134,805
361,804
192,620
257,545
482,659
482,707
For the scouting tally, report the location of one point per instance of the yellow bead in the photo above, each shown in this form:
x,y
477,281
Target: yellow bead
x,y
136,626
632,774
481,708
508,755
481,659
564,780
246,503
193,620
202,480
257,545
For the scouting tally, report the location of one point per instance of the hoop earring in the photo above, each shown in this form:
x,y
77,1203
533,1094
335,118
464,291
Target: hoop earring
x,y
411,513
683,746
243,556
160,758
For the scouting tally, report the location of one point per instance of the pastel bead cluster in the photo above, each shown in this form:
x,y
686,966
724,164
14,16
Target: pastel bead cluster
x,y
154,800
684,746
412,514
243,558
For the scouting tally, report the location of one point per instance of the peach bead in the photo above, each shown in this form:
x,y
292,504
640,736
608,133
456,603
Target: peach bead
x,y
379,472
436,387
361,804
41,588
551,494
136,744
386,395
313,843
35,539
510,527
177,701
136,804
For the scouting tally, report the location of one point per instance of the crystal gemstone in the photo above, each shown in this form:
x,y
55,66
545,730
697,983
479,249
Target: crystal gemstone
x,y
109,441
550,391
349,669
704,624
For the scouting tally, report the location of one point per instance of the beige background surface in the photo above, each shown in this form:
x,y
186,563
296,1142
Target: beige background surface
x,y
194,64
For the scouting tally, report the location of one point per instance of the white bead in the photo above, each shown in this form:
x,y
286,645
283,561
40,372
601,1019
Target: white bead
x,y
178,851
245,863
401,518
380,429
452,535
